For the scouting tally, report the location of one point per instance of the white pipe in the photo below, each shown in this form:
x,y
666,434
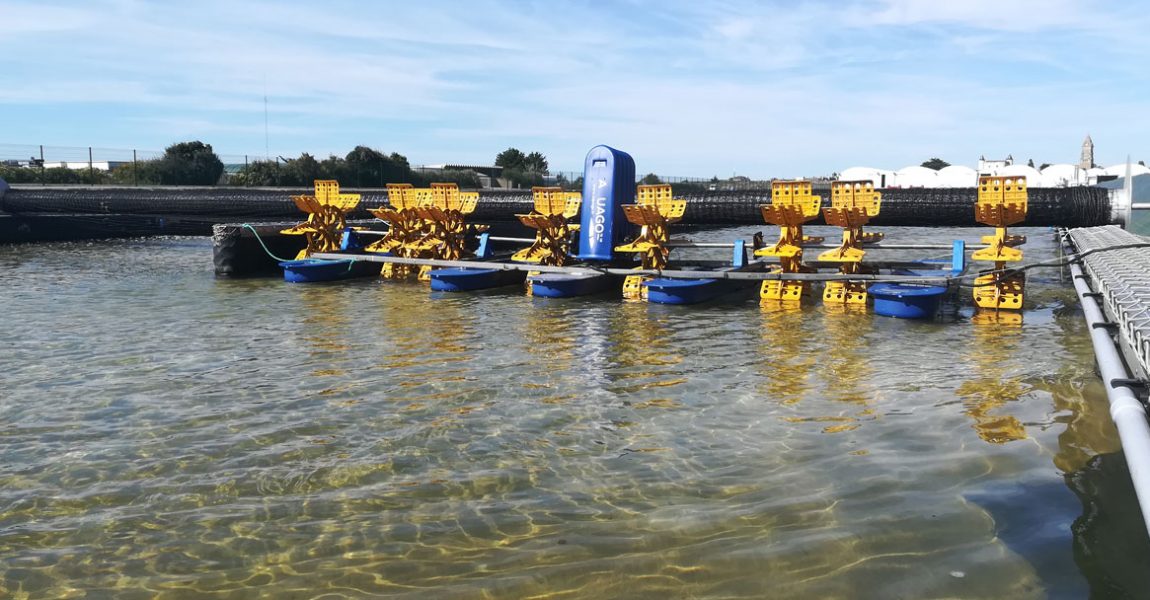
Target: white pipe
x,y
1125,409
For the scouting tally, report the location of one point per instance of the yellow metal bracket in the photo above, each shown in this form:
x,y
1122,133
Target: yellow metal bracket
x,y
326,217
653,211
1001,203
792,204
853,204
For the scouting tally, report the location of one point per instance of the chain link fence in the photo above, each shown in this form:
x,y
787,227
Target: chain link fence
x,y
35,163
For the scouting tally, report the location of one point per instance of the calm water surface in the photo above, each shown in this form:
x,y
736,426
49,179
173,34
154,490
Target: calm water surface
x,y
168,434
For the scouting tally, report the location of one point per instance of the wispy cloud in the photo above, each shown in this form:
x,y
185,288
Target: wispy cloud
x,y
693,88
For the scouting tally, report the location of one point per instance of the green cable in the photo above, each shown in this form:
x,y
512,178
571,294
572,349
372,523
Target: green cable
x,y
262,244
350,262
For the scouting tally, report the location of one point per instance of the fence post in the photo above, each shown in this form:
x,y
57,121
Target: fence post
x,y
135,169
41,163
91,172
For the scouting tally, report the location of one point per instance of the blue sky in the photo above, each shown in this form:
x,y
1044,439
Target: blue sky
x,y
692,88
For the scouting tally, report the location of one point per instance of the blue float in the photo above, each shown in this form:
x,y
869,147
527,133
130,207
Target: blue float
x,y
694,291
608,184
472,279
316,270
906,301
563,285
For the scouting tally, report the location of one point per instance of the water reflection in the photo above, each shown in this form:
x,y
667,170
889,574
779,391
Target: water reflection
x,y
323,317
437,467
995,341
847,372
640,349
799,342
786,354
420,332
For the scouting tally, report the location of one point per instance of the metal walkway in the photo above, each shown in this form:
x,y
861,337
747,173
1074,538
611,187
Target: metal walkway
x,y
1117,309
1123,279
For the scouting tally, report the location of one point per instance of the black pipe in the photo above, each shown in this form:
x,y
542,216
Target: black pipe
x,y
953,207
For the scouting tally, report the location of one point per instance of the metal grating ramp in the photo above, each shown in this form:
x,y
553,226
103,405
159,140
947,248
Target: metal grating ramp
x,y
1123,279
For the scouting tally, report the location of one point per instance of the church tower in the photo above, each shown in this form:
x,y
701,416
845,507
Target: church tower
x,y
1087,160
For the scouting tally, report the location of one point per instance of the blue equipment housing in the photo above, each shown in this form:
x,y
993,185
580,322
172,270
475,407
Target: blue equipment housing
x,y
906,301
608,184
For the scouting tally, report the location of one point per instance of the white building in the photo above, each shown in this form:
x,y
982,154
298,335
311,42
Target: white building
x,y
99,165
992,166
1033,176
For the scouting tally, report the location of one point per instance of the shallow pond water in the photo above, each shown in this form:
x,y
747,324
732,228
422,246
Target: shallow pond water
x,y
165,433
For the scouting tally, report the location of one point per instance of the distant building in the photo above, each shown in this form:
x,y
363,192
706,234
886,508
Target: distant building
x,y
1087,159
993,166
99,165
489,177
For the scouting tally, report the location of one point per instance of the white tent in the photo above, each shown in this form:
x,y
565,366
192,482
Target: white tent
x,y
1033,177
1119,170
879,177
1064,175
908,177
957,176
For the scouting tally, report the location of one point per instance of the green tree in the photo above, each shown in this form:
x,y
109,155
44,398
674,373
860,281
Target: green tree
x,y
303,171
189,163
936,164
334,167
260,173
535,163
511,159
17,174
462,178
650,179
143,172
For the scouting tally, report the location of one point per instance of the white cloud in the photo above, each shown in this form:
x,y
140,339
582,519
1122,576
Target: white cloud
x,y
689,88
1004,15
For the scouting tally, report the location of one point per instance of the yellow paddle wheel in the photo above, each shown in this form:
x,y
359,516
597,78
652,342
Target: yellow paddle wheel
x,y
326,217
853,204
653,211
792,204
